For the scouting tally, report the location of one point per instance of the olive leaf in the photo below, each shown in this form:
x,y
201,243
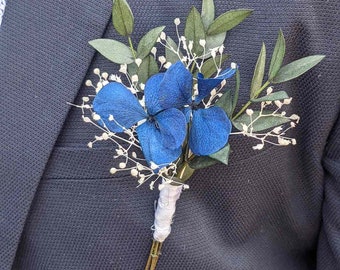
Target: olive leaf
x,y
200,162
148,41
122,17
228,20
222,155
169,54
113,50
226,103
296,68
208,12
265,122
257,80
278,55
194,30
209,66
271,97
147,68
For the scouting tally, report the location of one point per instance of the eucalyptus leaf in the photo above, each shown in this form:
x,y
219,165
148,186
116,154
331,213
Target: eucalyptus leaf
x,y
222,155
263,123
237,89
209,67
271,97
169,54
226,103
297,68
113,50
200,162
147,68
122,17
194,30
228,20
257,80
278,55
208,12
148,41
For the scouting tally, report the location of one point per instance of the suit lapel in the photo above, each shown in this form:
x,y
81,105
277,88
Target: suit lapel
x,y
43,58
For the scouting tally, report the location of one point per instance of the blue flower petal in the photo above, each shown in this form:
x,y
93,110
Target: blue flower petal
x,y
150,139
209,132
151,93
116,100
206,85
176,87
172,126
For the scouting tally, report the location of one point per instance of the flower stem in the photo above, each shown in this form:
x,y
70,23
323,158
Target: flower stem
x,y
131,48
155,251
249,102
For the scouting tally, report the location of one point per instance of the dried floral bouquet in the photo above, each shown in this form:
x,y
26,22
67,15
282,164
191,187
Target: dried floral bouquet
x,y
169,115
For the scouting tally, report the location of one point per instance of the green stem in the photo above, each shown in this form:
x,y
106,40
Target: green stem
x,y
249,102
131,48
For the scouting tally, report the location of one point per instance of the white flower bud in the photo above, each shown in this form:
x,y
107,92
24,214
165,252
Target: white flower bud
x,y
122,165
167,65
161,59
269,90
87,119
233,65
134,172
138,61
153,165
249,112
278,103
202,42
96,71
88,83
95,116
123,68
105,136
282,141
221,49
134,78
163,36
89,145
191,45
154,51
293,142
277,130
258,147
287,101
113,170
177,21
105,75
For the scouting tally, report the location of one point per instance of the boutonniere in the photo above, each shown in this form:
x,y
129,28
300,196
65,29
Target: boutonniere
x,y
169,114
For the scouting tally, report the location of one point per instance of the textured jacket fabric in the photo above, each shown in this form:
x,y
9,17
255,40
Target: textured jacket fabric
x,y
278,208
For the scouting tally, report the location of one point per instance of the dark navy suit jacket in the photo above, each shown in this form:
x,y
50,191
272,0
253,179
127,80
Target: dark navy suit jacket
x,y
61,209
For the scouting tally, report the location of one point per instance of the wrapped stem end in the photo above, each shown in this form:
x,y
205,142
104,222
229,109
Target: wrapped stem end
x,y
165,210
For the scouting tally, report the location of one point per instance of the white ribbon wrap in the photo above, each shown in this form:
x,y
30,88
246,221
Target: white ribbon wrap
x,y
166,207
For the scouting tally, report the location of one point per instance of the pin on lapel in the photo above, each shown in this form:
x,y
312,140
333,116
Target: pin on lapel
x,y
169,115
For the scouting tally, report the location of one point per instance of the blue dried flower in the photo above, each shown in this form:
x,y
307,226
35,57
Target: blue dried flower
x,y
163,130
210,127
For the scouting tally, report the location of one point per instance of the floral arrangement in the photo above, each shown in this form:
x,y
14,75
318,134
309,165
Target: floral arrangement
x,y
169,115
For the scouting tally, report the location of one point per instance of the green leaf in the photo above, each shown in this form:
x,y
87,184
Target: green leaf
x,y
222,155
226,103
200,162
213,42
278,55
122,17
262,123
256,83
208,12
209,67
228,20
237,88
170,56
194,30
147,68
148,41
297,68
113,50
132,68
271,97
